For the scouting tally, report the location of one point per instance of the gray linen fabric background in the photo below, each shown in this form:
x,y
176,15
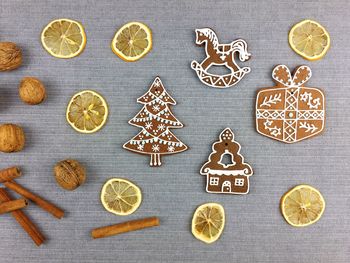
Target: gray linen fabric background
x,y
255,231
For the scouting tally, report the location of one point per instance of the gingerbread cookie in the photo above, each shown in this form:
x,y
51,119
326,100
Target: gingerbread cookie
x,y
155,119
220,54
290,112
231,177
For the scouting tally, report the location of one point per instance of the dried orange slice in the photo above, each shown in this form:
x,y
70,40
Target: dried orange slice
x,y
87,111
208,222
132,41
303,205
309,39
64,38
120,196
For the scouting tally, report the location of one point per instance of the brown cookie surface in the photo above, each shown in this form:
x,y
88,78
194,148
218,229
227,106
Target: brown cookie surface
x,y
230,176
290,112
155,119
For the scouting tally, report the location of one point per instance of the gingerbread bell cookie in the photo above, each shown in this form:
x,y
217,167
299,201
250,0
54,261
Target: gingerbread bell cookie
x,y
290,112
230,176
220,55
155,119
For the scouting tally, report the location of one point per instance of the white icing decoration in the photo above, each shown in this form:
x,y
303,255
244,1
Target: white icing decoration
x,y
271,100
275,131
227,172
311,102
226,52
155,148
288,122
308,127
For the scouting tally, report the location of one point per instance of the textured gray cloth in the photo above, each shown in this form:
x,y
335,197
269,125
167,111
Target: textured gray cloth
x,y
255,231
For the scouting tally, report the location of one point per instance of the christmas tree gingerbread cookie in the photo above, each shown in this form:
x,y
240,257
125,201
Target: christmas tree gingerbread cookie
x,y
231,177
155,119
220,55
290,112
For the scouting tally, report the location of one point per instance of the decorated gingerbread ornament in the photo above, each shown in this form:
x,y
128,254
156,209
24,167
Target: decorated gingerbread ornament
x,y
290,112
220,55
231,177
155,119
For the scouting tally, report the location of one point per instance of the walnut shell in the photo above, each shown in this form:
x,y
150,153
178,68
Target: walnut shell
x,y
10,56
32,91
69,174
11,138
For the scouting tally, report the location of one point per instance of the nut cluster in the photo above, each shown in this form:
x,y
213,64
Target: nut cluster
x,y
69,174
32,91
10,56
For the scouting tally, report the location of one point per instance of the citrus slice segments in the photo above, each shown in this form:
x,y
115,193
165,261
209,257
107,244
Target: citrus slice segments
x,y
303,205
87,111
132,41
208,222
309,39
64,38
120,197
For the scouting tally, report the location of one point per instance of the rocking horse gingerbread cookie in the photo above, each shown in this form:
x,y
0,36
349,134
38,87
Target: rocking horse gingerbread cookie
x,y
290,112
220,54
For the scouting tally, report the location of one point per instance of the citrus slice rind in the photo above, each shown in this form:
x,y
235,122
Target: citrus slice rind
x,y
208,222
132,41
87,111
303,205
64,38
120,196
309,39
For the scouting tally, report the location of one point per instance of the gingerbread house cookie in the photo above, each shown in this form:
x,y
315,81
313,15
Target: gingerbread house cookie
x,y
290,112
230,177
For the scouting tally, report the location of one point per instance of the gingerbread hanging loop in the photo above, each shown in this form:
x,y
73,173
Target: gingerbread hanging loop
x,y
220,55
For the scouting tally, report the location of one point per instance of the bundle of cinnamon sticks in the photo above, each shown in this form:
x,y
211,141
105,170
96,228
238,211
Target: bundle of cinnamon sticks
x,y
8,204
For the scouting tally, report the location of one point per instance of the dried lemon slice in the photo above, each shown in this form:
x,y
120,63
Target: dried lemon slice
x,y
132,41
87,111
120,196
309,39
63,38
302,206
208,222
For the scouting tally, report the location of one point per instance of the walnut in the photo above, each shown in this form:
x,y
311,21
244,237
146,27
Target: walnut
x,y
32,90
69,174
11,138
10,56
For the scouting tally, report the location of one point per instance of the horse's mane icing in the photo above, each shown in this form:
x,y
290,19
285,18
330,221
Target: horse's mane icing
x,y
210,34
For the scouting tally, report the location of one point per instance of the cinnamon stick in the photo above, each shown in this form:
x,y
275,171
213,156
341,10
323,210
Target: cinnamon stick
x,y
13,205
9,174
112,230
23,220
46,205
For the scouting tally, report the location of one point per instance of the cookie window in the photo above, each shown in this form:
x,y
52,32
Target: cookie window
x,y
239,182
214,181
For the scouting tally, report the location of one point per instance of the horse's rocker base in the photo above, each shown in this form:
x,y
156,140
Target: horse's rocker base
x,y
219,81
